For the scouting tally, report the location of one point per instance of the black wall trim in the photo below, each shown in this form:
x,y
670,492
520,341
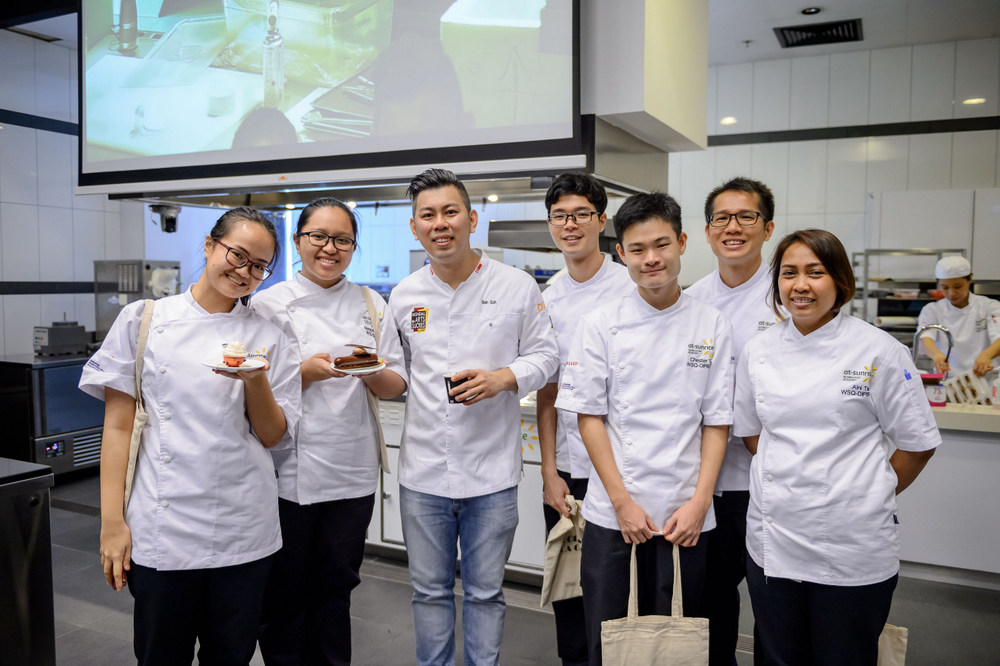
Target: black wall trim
x,y
8,288
858,131
38,122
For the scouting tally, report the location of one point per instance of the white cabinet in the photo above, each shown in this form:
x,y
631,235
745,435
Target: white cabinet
x,y
986,235
527,555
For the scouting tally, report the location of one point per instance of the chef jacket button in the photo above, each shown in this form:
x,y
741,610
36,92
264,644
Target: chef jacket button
x,y
167,459
166,416
761,360
305,410
628,442
164,504
291,308
624,405
768,519
162,370
159,330
614,331
770,478
628,480
621,365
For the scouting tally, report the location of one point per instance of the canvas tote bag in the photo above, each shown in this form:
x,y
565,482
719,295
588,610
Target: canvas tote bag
x,y
561,578
892,646
140,413
655,639
383,454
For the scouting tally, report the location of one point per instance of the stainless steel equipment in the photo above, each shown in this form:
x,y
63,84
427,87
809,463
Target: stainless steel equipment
x,y
47,419
534,235
120,282
916,338
62,337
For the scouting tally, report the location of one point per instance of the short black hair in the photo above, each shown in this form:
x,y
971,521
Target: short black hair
x,y
748,185
434,179
582,184
643,207
831,253
326,202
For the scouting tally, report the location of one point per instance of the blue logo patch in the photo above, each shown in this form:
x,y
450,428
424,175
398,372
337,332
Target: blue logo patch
x,y
906,373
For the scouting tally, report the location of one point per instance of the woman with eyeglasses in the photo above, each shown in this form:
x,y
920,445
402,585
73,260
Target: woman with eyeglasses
x,y
196,538
327,482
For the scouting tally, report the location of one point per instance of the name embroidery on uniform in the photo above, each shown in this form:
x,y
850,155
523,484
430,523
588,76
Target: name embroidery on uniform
x,y
860,382
981,324
700,355
418,319
763,324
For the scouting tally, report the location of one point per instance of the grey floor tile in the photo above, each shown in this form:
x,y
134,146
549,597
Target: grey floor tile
x,y
85,647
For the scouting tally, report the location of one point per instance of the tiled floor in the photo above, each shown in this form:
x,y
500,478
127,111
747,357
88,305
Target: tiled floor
x,y
948,624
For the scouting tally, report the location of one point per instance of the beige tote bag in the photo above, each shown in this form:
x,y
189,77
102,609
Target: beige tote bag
x,y
139,422
655,639
383,454
892,646
561,577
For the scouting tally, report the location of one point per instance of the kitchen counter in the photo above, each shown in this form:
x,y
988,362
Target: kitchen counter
x,y
972,418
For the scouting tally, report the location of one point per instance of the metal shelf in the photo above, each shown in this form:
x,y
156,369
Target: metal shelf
x,y
863,259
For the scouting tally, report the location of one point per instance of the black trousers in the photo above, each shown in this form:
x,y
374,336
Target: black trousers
x,y
571,636
726,567
307,609
604,573
811,623
220,607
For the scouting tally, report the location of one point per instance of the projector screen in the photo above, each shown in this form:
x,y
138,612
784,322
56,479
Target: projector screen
x,y
175,89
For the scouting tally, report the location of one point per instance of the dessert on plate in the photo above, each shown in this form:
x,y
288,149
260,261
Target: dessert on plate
x,y
234,353
360,358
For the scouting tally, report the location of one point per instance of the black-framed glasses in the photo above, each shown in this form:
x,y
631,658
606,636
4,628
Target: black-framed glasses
x,y
239,259
580,217
319,239
744,218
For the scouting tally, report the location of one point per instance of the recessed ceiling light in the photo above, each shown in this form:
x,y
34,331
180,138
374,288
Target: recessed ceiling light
x,y
809,11
728,120
289,206
352,204
974,100
493,198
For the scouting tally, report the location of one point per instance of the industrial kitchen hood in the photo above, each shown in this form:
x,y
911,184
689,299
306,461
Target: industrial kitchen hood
x,y
534,235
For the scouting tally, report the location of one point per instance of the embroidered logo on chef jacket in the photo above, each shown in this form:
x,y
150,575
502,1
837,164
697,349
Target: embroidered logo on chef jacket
x,y
94,364
418,319
700,355
541,306
981,323
260,353
764,324
860,382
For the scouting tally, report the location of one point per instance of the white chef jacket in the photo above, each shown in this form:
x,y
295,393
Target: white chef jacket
x,y
204,493
495,319
747,309
567,302
973,328
336,450
822,492
657,376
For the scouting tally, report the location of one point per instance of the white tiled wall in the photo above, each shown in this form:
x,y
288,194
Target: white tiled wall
x,y
828,183
47,233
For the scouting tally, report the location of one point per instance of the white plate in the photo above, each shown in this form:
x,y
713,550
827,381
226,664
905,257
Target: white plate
x,y
249,364
361,371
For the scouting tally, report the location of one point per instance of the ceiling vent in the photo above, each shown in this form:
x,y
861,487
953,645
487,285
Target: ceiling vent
x,y
820,33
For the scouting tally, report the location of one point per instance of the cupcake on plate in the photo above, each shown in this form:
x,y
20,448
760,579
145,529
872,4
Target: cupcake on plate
x,y
234,353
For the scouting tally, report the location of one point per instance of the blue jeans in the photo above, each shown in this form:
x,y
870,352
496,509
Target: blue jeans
x,y
433,526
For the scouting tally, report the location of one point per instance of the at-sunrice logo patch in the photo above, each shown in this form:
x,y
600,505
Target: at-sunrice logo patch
x,y
700,354
860,382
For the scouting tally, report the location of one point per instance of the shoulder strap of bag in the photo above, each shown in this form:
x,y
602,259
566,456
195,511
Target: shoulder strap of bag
x,y
676,601
139,420
383,454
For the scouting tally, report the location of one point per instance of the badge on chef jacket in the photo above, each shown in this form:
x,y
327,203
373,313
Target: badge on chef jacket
x,y
418,319
700,355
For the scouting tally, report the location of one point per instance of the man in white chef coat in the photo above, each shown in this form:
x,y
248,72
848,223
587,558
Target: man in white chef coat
x,y
739,218
575,203
483,326
650,377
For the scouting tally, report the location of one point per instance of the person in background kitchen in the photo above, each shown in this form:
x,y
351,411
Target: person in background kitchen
x,y
484,324
197,536
575,203
650,376
816,397
327,482
974,322
739,218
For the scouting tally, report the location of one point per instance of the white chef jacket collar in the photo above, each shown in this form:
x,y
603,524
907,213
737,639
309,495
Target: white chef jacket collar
x,y
646,308
311,287
238,307
824,332
596,277
763,271
478,270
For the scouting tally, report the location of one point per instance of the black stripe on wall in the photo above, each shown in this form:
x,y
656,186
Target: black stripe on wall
x,y
859,131
38,122
9,288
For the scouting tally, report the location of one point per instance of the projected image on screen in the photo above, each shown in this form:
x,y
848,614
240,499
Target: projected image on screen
x,y
171,83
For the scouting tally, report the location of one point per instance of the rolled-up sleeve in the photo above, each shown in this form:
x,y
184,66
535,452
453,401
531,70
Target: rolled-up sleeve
x,y
537,354
113,365
746,422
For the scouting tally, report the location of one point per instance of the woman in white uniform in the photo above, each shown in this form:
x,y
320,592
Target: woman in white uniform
x,y
197,535
973,320
815,396
327,482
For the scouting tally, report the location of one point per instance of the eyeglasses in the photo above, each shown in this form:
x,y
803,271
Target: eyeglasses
x,y
745,218
319,239
239,259
580,217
